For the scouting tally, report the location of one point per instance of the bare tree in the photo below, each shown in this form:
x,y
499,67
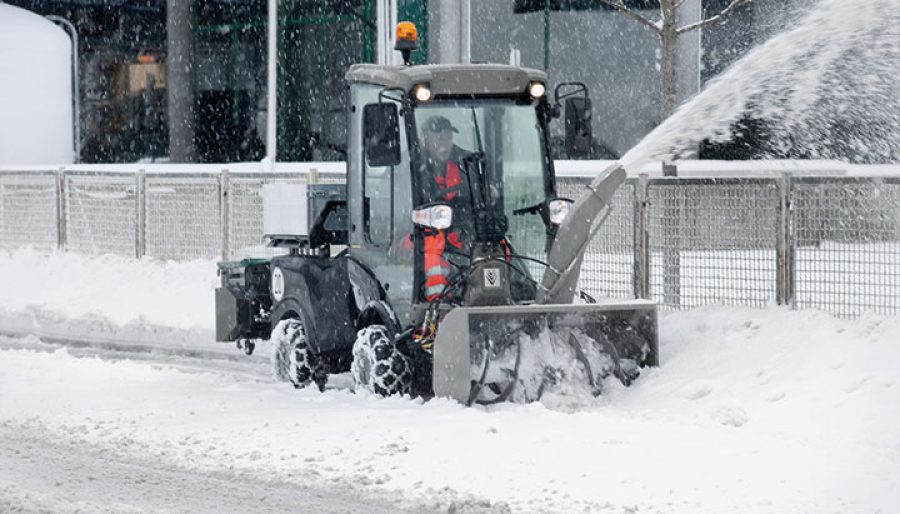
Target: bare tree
x,y
666,27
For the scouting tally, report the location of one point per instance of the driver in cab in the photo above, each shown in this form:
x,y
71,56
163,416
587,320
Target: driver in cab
x,y
443,181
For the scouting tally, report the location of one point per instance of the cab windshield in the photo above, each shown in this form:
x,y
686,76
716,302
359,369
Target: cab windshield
x,y
496,146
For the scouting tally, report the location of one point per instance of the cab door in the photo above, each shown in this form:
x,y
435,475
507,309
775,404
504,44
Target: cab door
x,y
380,207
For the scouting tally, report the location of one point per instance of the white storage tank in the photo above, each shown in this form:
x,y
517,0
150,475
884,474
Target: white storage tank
x,y
35,90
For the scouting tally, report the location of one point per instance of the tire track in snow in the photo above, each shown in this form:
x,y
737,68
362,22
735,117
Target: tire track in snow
x,y
229,361
254,368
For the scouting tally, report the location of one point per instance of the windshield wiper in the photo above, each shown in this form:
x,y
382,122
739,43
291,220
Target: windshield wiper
x,y
475,161
490,223
480,157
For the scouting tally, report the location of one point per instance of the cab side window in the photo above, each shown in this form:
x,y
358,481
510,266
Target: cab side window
x,y
378,204
378,179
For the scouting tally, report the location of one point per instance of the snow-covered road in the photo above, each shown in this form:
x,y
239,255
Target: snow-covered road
x,y
41,472
751,411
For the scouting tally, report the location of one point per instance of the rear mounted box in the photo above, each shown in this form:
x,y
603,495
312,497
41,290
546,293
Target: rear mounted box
x,y
304,215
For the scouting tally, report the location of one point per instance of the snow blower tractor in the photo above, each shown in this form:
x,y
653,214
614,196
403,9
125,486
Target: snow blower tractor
x,y
447,265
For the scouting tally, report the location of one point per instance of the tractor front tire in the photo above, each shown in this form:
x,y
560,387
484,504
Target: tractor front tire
x,y
294,360
378,366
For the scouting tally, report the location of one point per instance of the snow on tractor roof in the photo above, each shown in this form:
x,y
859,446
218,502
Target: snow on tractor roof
x,y
450,79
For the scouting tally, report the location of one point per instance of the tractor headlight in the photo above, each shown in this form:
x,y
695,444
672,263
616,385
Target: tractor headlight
x,y
422,93
436,216
558,210
537,90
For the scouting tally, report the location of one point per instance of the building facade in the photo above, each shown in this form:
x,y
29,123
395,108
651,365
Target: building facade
x,y
124,52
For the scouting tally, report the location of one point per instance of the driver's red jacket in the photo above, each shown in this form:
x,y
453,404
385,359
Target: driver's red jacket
x,y
437,268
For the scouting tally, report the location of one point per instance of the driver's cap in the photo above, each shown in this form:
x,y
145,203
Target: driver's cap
x,y
439,124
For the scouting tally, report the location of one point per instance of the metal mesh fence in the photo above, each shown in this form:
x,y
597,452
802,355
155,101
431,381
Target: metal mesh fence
x,y
608,265
28,211
847,245
709,240
182,217
712,241
101,214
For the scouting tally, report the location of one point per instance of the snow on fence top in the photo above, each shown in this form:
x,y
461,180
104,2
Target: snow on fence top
x,y
564,168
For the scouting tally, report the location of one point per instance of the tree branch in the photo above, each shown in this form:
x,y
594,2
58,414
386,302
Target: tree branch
x,y
715,20
619,6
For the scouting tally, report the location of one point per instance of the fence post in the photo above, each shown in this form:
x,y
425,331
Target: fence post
x,y
224,212
641,271
672,243
784,244
312,176
61,209
140,243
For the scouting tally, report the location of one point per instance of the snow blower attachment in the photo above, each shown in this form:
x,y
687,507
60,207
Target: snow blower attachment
x,y
460,262
487,355
518,352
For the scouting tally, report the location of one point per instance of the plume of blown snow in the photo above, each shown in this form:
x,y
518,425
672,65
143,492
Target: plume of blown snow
x,y
826,88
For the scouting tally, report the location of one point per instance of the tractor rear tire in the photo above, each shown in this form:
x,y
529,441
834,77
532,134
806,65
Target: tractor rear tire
x,y
294,360
378,366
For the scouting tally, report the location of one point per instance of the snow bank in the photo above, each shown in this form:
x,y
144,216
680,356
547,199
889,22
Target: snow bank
x,y
110,289
751,411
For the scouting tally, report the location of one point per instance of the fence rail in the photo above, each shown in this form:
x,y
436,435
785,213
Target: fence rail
x,y
831,243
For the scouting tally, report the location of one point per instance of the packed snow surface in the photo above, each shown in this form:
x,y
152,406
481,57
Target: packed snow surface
x,y
120,290
766,410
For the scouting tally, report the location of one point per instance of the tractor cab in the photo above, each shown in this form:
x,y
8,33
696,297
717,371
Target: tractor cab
x,y
458,149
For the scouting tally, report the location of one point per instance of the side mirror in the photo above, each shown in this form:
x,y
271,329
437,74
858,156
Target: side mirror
x,y
578,127
381,134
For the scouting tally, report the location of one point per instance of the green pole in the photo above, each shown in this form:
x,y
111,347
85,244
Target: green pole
x,y
232,65
368,35
547,35
281,103
324,125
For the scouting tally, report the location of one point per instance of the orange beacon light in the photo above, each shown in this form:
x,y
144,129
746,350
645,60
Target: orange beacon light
x,y
407,39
